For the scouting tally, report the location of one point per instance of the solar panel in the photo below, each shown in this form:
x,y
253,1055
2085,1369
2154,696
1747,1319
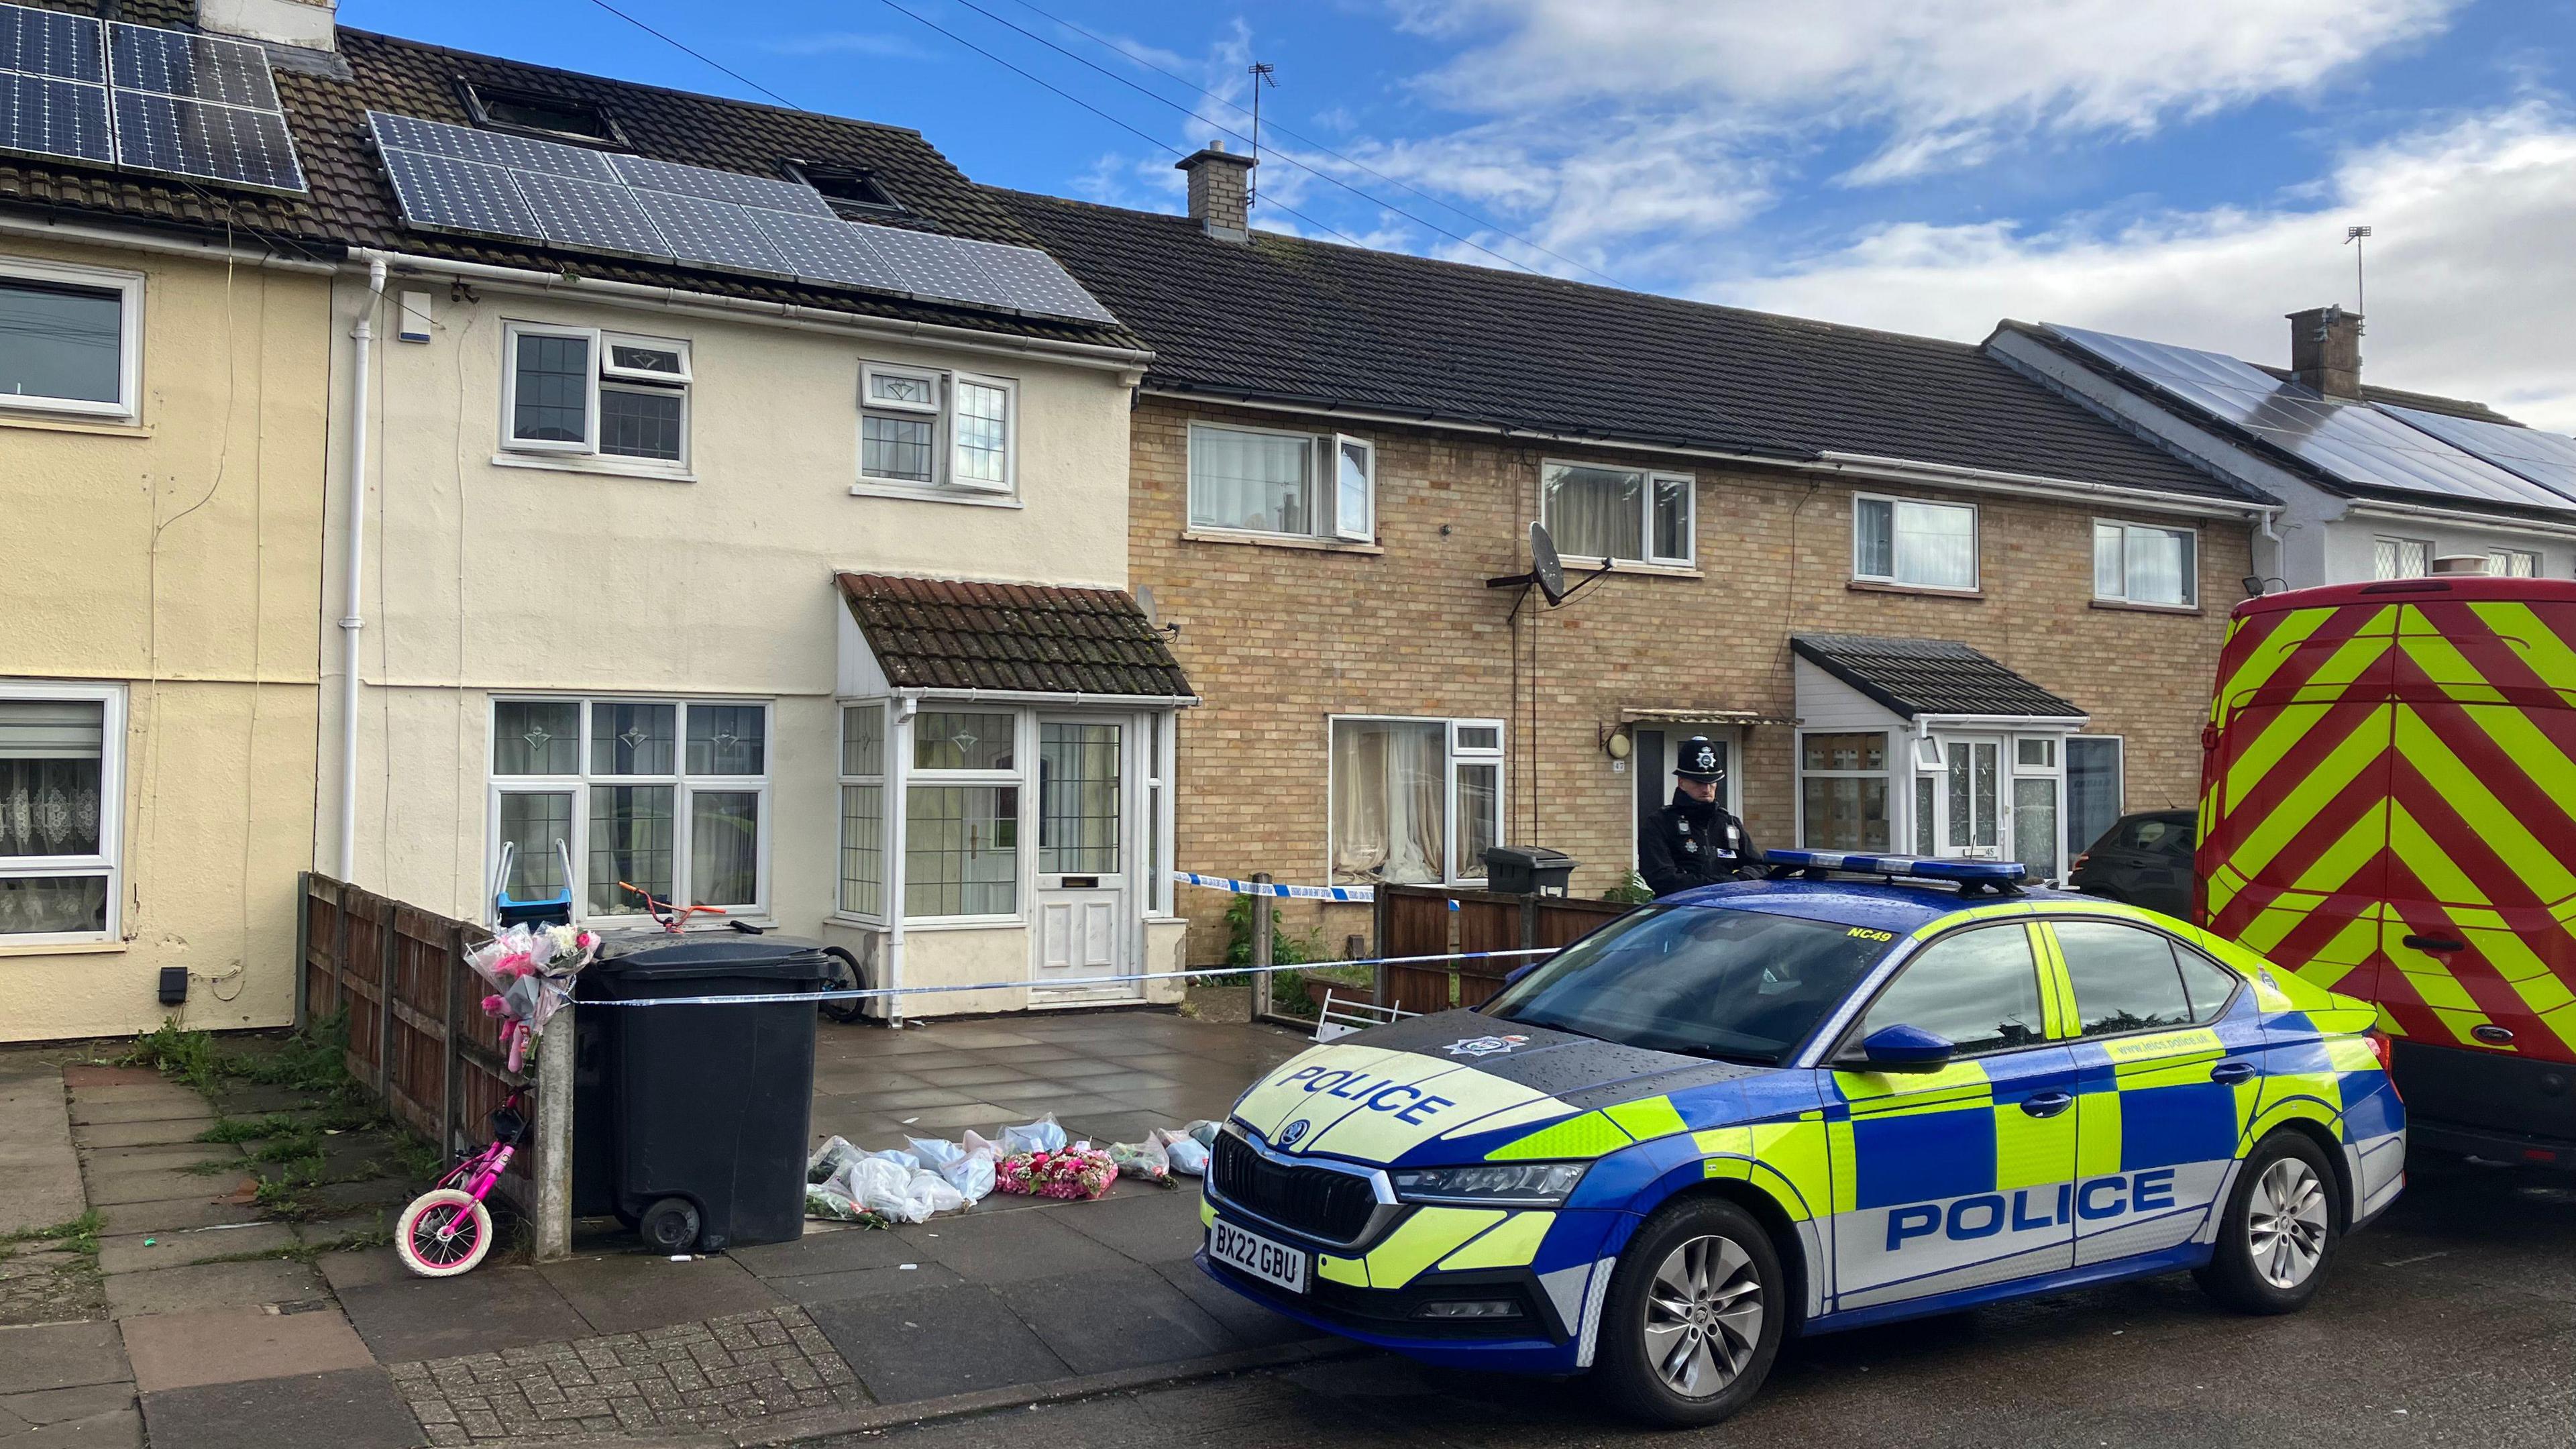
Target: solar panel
x,y
198,138
2354,442
2548,459
651,175
50,43
46,117
456,178
196,67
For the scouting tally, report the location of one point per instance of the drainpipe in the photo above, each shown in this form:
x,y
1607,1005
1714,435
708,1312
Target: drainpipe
x,y
362,339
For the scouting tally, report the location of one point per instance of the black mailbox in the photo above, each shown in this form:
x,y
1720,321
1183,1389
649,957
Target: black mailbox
x,y
1527,870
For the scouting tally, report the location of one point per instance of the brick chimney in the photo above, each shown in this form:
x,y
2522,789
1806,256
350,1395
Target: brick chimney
x,y
2325,351
1220,191
304,24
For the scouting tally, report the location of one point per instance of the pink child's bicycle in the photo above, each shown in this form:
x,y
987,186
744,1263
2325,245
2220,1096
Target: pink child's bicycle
x,y
447,1230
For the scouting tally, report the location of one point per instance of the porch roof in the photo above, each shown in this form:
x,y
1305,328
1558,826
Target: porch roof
x,y
1917,677
950,634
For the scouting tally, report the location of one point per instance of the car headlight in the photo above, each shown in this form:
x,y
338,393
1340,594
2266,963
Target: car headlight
x,y
1528,1184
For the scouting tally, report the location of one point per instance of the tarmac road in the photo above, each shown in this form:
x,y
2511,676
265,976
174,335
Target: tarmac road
x,y
2451,1321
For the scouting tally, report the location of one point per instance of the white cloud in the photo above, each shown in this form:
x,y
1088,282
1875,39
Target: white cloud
x,y
2469,290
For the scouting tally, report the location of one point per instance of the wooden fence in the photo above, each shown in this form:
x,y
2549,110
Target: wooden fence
x,y
418,1039
1431,920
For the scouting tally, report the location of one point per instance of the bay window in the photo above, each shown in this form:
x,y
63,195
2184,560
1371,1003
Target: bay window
x,y
961,827
1623,515
61,809
2134,563
1915,545
1414,801
669,796
1298,485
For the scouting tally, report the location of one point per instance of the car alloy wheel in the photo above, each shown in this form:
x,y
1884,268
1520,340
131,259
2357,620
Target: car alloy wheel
x,y
1703,1316
2285,1224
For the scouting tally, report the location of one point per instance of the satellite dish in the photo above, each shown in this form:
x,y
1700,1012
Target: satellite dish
x,y
1546,569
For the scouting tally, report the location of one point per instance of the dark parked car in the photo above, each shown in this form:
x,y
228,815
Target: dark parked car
x,y
2142,859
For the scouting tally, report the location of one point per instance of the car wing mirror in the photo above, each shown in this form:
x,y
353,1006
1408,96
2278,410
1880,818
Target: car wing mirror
x,y
1902,1048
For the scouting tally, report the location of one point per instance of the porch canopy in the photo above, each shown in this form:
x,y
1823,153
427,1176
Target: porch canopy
x,y
958,639
1938,679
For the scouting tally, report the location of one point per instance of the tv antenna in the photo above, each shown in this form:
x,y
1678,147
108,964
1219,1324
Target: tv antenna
x,y
1547,571
1263,73
2353,237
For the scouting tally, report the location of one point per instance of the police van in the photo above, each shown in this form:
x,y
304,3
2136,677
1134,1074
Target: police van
x,y
1870,1089
2388,808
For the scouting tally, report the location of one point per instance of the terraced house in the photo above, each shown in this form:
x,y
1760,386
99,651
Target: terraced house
x,y
1921,600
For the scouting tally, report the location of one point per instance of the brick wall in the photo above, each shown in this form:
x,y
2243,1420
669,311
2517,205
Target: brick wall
x,y
1277,639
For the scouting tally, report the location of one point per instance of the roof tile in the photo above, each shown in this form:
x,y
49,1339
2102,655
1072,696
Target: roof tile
x,y
1027,638
1930,676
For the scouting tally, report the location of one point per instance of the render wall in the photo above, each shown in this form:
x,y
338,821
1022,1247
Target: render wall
x,y
1277,639
179,557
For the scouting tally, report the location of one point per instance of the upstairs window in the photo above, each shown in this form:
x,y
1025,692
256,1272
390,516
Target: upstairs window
x,y
2136,564
2401,558
852,191
1625,515
1298,485
926,428
556,118
73,338
581,391
1914,545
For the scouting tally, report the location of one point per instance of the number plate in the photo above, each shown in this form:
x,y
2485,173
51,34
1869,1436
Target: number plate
x,y
1258,1256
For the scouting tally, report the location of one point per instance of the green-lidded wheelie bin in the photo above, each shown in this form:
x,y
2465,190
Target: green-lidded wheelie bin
x,y
690,1121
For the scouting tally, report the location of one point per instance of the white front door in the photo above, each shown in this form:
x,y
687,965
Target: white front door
x,y
1085,906
1968,797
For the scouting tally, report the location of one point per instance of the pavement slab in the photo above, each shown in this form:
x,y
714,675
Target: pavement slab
x,y
97,1074
161,1133
192,1108
214,1285
39,1173
115,1429
1120,1319
812,1288
939,1341
832,1251
112,1187
201,1208
61,1356
1152,1226
492,1308
1251,1324
236,1345
166,1156
57,1406
353,1408
127,1253
1008,1246
625,1292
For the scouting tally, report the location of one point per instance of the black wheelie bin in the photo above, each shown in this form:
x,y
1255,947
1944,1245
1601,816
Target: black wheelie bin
x,y
690,1122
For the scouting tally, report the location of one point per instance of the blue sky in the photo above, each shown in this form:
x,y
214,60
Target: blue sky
x,y
2177,168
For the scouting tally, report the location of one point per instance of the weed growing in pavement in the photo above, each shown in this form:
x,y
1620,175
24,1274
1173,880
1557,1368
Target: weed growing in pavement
x,y
311,1060
214,1167
79,1235
248,1129
305,1253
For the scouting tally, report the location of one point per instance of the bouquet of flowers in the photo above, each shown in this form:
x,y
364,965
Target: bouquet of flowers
x,y
531,970
1076,1173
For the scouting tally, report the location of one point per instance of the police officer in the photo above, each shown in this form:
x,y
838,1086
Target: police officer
x,y
1693,841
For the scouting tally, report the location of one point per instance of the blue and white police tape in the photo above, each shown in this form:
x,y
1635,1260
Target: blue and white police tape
x,y
870,993
1273,888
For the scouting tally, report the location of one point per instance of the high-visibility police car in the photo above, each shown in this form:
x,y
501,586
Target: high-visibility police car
x,y
1802,1105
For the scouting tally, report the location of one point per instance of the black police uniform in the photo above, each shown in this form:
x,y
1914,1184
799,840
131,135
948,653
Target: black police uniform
x,y
1688,843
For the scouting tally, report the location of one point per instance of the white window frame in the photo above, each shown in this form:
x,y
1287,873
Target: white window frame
x,y
1976,544
1899,752
2191,575
2398,545
941,412
1452,755
914,776
684,788
1650,479
108,861
129,343
888,837
604,374
1323,485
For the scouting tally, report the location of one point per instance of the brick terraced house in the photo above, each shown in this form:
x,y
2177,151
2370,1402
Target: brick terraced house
x,y
1922,601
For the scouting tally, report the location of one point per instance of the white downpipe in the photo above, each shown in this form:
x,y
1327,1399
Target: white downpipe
x,y
362,339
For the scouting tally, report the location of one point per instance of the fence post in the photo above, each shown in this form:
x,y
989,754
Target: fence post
x,y
451,1107
303,948
553,1167
1261,934
1379,984
1529,921
386,959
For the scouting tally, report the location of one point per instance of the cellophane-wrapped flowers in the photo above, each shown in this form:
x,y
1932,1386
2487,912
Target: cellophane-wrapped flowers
x,y
1072,1173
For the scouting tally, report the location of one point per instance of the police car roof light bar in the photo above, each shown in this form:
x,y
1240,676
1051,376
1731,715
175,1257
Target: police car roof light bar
x,y
2003,877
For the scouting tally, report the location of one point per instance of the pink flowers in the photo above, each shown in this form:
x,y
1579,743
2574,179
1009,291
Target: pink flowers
x,y
1074,1173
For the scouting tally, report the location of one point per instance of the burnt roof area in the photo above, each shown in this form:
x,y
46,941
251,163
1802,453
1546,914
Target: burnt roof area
x,y
1286,320
1915,677
950,634
351,204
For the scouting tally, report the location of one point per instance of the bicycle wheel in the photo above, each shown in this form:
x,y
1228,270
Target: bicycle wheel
x,y
844,977
442,1233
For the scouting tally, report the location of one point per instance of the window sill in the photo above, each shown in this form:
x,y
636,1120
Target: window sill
x,y
69,422
966,923
1579,564
1278,540
1881,586
61,948
587,464
932,493
2123,606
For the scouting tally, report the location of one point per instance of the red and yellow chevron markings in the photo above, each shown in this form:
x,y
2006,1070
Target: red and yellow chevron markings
x,y
2389,779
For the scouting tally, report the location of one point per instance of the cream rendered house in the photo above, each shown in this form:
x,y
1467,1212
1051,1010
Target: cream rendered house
x,y
641,550
164,374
